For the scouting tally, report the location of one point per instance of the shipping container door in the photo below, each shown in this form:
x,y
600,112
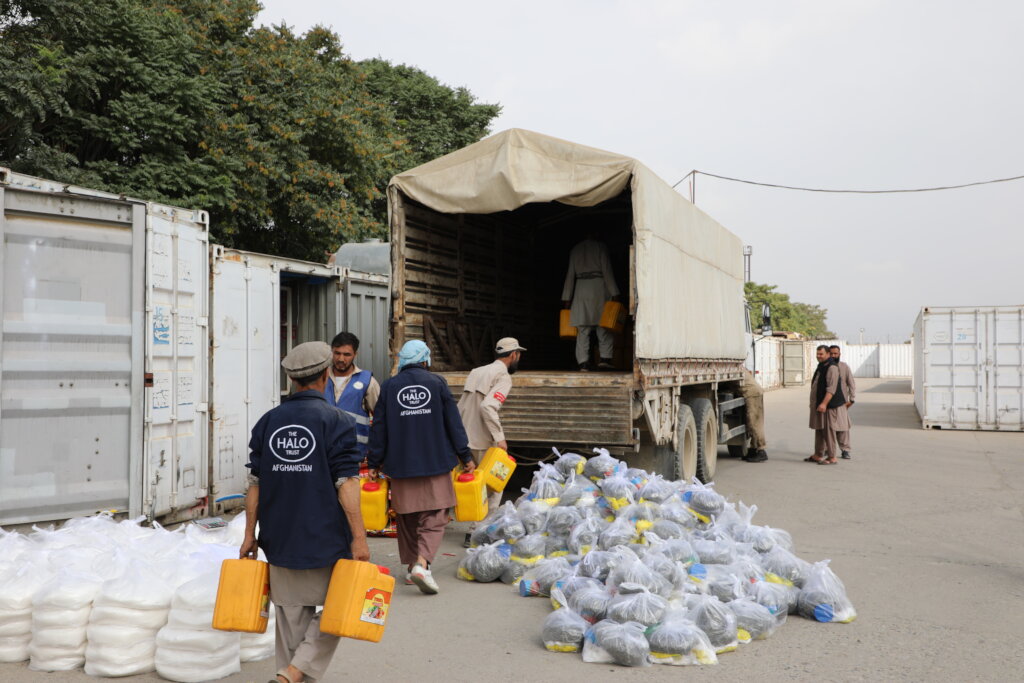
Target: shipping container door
x,y
1005,363
792,363
366,314
71,289
175,467
246,350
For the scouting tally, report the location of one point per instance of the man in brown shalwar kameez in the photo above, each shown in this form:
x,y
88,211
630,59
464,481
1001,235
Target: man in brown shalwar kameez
x,y
828,409
849,387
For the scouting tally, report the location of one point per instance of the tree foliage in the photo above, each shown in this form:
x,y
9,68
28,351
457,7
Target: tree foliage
x,y
284,139
789,316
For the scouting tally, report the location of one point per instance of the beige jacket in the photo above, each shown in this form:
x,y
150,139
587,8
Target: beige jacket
x,y
486,390
848,383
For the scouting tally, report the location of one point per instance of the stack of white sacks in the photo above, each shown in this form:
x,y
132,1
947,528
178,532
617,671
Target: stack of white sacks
x,y
121,599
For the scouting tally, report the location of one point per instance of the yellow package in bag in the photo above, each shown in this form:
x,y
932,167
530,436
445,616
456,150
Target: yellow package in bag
x,y
613,316
358,601
565,329
243,596
373,503
470,496
497,467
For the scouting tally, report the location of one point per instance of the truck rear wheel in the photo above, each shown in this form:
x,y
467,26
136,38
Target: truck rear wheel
x,y
685,460
707,439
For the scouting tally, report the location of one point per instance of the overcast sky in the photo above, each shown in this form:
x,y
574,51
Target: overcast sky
x,y
863,95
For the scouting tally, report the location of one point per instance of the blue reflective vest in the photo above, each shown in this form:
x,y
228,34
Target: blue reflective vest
x,y
351,402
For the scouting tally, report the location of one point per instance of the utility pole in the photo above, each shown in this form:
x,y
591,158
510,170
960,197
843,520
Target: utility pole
x,y
861,335
747,251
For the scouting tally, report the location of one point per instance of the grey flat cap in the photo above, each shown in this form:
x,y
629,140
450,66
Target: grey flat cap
x,y
506,344
307,359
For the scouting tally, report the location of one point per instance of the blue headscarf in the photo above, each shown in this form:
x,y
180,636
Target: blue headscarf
x,y
413,352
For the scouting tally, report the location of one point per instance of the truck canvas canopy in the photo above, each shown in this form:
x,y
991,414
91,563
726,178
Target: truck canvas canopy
x,y
683,264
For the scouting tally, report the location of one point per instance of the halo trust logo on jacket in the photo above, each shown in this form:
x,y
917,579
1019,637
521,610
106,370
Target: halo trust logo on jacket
x,y
414,399
292,444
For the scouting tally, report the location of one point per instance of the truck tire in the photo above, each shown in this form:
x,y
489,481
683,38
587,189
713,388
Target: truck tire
x,y
707,438
685,456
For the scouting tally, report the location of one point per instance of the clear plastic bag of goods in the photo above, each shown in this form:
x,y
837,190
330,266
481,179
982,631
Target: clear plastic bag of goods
x,y
530,549
635,603
716,620
569,464
602,465
509,527
195,656
561,520
637,477
578,492
533,514
666,528
675,510
566,586
513,573
198,594
563,631
254,647
584,536
608,642
704,502
786,565
60,612
68,590
140,588
590,602
636,572
723,583
556,546
641,515
658,489
619,532
618,492
539,579
714,552
676,549
775,597
671,571
823,596
485,563
546,486
754,621
114,651
597,564
677,641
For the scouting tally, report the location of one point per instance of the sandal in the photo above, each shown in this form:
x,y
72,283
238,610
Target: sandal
x,y
833,461
814,459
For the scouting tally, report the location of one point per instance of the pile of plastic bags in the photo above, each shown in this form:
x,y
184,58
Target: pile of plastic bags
x,y
120,599
642,570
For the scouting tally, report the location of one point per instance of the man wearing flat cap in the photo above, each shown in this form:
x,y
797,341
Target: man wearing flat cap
x,y
487,388
304,491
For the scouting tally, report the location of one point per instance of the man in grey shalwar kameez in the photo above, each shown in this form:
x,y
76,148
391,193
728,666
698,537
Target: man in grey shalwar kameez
x,y
828,409
589,282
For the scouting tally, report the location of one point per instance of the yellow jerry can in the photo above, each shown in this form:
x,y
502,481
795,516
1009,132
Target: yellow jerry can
x,y
243,596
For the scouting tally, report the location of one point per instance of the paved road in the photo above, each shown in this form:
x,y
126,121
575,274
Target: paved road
x,y
926,528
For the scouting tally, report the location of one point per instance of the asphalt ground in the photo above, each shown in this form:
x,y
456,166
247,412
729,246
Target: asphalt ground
x,y
926,529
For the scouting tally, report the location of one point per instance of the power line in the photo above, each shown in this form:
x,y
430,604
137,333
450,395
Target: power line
x,y
819,189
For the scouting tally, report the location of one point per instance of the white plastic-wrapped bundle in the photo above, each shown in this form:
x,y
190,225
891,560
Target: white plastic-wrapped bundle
x,y
126,615
257,646
188,649
19,584
60,614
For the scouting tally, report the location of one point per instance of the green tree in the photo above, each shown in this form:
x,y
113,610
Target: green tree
x,y
280,136
787,315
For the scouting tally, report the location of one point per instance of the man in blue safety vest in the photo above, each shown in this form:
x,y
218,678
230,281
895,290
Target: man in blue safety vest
x,y
350,389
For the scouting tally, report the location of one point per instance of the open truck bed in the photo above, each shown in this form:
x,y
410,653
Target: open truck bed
x,y
480,246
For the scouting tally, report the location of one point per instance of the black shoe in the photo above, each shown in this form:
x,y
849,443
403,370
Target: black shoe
x,y
846,455
466,543
756,456
585,367
605,364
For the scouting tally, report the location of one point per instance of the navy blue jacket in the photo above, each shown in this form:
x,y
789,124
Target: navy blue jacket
x,y
298,450
417,430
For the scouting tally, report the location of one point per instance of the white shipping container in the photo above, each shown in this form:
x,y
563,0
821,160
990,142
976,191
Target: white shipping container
x,y
969,368
768,362
895,360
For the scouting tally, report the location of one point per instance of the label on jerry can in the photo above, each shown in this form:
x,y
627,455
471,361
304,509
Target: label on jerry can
x,y
500,471
375,606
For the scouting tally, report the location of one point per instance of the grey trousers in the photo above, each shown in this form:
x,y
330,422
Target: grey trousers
x,y
844,440
300,642
605,342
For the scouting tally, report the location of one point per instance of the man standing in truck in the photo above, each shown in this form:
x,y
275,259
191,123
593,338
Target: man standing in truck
x,y
849,391
350,389
589,282
487,388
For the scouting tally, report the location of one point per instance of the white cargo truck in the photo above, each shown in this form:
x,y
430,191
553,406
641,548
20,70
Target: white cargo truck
x,y
135,356
480,244
969,367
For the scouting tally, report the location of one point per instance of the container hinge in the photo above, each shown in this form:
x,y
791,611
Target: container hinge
x,y
203,321
203,407
203,237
